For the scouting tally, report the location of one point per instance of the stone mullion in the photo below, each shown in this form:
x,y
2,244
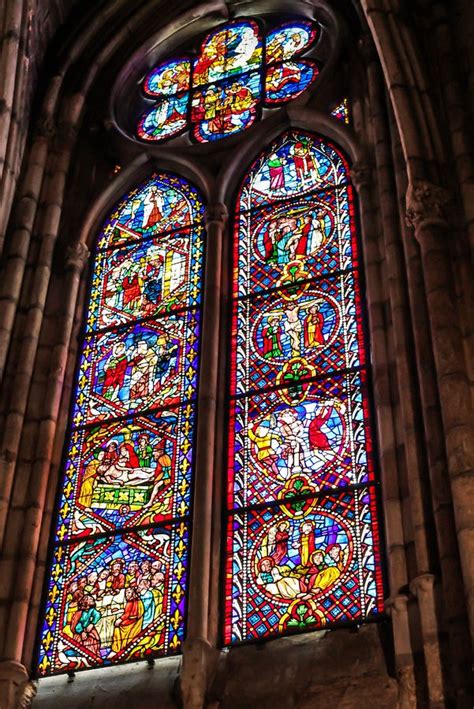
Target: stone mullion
x,y
220,476
197,650
381,383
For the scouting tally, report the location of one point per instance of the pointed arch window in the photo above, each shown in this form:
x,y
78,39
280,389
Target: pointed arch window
x,y
300,532
302,535
118,571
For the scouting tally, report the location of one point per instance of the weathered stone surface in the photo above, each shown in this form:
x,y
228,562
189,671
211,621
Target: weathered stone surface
x,y
129,687
342,668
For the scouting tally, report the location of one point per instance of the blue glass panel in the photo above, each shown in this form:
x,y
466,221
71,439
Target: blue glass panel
x,y
166,118
169,78
115,599
164,203
143,366
146,278
116,584
287,81
128,473
225,108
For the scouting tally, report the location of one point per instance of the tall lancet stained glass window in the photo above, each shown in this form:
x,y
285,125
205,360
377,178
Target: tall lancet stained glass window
x,y
302,535
118,572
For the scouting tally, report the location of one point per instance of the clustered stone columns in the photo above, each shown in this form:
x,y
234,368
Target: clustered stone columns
x,y
14,68
396,605
425,213
397,608
423,588
418,464
362,177
21,576
199,656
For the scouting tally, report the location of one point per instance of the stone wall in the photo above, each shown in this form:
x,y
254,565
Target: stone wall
x,y
343,669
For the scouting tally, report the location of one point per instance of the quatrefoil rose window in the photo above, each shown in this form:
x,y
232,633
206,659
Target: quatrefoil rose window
x,y
239,70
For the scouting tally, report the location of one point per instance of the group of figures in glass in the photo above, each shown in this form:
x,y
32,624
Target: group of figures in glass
x,y
301,536
118,587
222,90
300,544
109,608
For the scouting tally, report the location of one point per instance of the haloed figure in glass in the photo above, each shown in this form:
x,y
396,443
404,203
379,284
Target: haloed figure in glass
x,y
117,585
302,528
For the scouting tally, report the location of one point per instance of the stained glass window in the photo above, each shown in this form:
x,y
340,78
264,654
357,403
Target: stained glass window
x,y
341,111
239,69
118,572
302,536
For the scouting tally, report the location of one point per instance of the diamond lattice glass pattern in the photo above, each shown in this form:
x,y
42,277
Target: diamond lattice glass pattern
x,y
117,582
302,535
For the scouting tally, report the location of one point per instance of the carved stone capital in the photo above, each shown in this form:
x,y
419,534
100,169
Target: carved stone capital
x,y
422,584
216,213
25,694
13,682
361,174
77,255
425,205
45,127
396,605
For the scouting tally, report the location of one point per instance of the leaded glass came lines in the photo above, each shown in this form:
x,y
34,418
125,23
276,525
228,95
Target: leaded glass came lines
x,y
238,70
302,535
118,575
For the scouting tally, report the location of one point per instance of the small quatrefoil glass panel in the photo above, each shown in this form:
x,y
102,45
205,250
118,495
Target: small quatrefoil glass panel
x,y
238,71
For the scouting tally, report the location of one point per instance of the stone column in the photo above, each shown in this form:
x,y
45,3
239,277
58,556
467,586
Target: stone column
x,y
22,221
29,338
361,175
396,607
423,587
13,24
198,655
425,213
406,375
453,620
16,690
17,626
